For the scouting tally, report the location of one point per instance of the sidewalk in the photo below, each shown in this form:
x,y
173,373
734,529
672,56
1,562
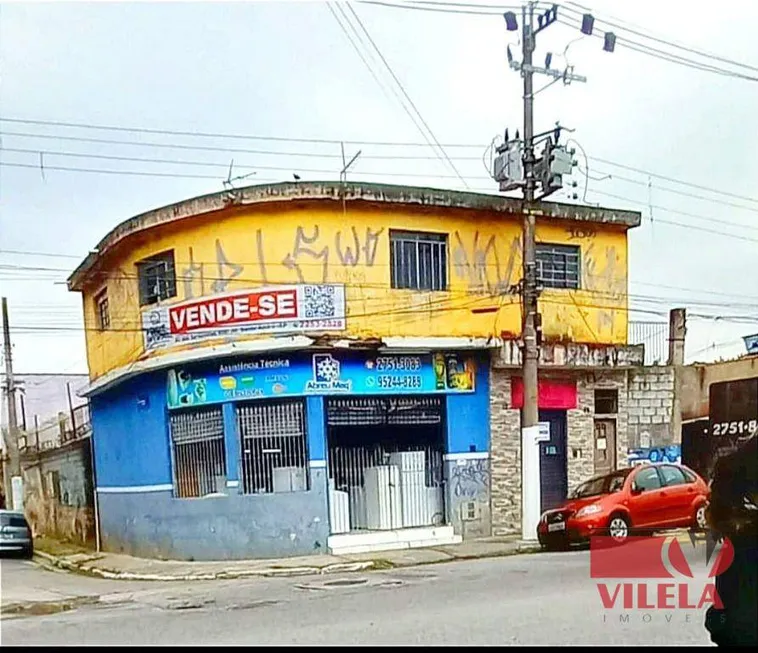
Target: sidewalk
x,y
116,566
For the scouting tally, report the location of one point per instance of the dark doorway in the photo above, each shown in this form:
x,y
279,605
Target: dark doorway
x,y
385,462
553,460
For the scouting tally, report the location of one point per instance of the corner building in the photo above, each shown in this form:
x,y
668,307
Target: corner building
x,y
291,369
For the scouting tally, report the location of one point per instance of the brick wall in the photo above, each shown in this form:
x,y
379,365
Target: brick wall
x,y
651,399
505,456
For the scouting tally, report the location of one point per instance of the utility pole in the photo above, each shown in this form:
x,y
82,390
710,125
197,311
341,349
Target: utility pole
x,y
12,479
517,167
530,357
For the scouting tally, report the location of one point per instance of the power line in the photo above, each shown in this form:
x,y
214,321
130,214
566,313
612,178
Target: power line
x,y
673,180
199,134
426,176
610,296
405,94
113,157
632,29
143,173
390,157
685,213
657,53
491,10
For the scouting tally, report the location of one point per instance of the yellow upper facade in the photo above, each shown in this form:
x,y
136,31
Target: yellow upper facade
x,y
387,261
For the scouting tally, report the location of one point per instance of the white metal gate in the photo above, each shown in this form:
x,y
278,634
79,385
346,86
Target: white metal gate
x,y
390,482
274,454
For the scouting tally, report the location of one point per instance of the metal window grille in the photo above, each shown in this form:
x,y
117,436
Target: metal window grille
x,y
558,266
273,446
103,312
388,411
418,260
157,278
197,438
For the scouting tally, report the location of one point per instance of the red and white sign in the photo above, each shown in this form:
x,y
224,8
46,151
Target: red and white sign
x,y
283,309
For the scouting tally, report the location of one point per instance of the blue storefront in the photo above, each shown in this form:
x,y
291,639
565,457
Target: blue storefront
x,y
267,456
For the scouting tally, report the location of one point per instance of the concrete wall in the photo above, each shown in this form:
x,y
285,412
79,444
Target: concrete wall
x,y
140,516
467,464
156,525
651,400
63,510
317,242
696,381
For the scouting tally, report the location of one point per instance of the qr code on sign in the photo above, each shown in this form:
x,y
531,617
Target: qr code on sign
x,y
319,302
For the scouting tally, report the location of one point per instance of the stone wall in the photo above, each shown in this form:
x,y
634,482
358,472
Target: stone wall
x,y
505,440
505,456
651,399
581,426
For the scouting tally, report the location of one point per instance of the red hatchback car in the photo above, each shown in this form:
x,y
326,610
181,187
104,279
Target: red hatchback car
x,y
647,497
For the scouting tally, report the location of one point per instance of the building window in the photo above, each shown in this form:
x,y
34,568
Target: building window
x,y
197,441
157,278
606,402
103,311
273,446
558,265
418,260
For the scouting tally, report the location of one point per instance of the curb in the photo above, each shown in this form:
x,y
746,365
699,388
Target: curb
x,y
266,572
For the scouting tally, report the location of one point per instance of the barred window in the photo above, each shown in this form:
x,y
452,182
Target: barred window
x,y
273,446
418,261
558,266
197,440
157,278
103,310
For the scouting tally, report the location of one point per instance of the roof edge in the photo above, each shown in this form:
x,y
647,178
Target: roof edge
x,y
342,191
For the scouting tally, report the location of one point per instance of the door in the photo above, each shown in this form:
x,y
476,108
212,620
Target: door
x,y
553,471
676,506
646,500
605,446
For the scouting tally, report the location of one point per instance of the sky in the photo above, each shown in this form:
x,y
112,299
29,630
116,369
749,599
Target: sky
x,y
663,137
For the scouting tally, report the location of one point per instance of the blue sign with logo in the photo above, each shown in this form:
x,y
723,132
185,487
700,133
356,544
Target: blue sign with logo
x,y
751,343
322,374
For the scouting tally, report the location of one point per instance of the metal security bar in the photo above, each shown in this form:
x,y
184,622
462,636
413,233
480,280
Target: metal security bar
x,y
558,266
388,487
197,438
419,260
273,446
385,411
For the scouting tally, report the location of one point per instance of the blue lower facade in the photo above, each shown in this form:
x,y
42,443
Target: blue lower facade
x,y
167,491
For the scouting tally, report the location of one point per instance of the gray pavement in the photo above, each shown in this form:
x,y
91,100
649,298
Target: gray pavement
x,y
542,599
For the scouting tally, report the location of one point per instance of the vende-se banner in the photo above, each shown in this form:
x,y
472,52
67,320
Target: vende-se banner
x,y
280,309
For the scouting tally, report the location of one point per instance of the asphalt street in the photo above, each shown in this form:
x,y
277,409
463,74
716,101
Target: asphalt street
x,y
542,599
